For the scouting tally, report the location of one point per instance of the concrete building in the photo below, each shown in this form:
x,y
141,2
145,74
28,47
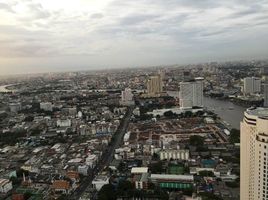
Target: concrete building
x,y
91,160
46,106
136,111
5,185
154,86
141,181
73,111
127,97
64,122
100,181
15,107
62,186
252,85
171,181
191,94
265,95
139,170
83,169
180,154
254,155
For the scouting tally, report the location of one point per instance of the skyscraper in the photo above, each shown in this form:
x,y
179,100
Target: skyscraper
x,y
252,85
254,155
154,85
191,94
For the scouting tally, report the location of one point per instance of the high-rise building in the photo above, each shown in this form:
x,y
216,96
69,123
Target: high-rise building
x,y
265,95
264,71
127,97
191,94
252,85
47,106
254,155
154,85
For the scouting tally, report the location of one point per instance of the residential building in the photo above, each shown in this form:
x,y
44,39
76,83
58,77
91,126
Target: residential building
x,y
191,94
176,154
83,169
64,123
127,97
254,155
171,181
46,106
252,85
100,181
15,107
139,170
141,181
5,185
154,86
265,95
62,186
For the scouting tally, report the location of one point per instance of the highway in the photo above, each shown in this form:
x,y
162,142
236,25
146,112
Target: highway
x,y
107,156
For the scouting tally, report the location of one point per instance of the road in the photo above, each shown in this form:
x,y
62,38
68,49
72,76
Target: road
x,y
107,156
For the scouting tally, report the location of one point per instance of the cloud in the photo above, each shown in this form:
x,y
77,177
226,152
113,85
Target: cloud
x,y
6,7
166,31
96,16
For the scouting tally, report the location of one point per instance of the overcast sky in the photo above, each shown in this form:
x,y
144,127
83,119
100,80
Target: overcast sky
x,y
53,35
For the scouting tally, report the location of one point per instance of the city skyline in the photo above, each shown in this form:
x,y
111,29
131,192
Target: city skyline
x,y
38,36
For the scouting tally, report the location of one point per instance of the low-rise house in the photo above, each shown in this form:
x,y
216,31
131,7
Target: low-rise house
x,y
62,186
100,181
5,185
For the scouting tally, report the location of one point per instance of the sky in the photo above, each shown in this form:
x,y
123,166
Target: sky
x,y
55,35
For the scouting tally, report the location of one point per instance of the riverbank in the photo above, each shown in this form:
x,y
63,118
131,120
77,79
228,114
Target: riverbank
x,y
230,113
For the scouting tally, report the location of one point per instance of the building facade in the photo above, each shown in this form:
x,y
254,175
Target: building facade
x,y
127,97
191,94
5,185
252,85
265,95
180,154
254,155
154,86
46,106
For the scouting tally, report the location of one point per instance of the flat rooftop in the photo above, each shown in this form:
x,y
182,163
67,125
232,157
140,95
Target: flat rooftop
x,y
259,112
173,177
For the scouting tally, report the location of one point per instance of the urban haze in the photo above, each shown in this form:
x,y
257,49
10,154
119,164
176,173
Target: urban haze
x,y
133,100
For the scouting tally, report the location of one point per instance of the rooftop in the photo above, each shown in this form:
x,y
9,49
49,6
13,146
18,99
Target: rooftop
x,y
139,170
172,177
259,112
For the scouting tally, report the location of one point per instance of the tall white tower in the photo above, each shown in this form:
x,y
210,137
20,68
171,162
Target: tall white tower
x,y
254,155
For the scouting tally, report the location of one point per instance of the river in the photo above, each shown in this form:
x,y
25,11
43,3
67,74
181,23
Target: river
x,y
3,88
226,110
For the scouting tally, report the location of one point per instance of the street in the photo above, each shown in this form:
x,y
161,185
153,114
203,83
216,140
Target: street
x,y
107,156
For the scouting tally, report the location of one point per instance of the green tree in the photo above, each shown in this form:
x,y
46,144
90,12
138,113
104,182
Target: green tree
x,y
209,196
124,187
234,136
107,193
188,114
169,114
156,167
206,173
196,140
